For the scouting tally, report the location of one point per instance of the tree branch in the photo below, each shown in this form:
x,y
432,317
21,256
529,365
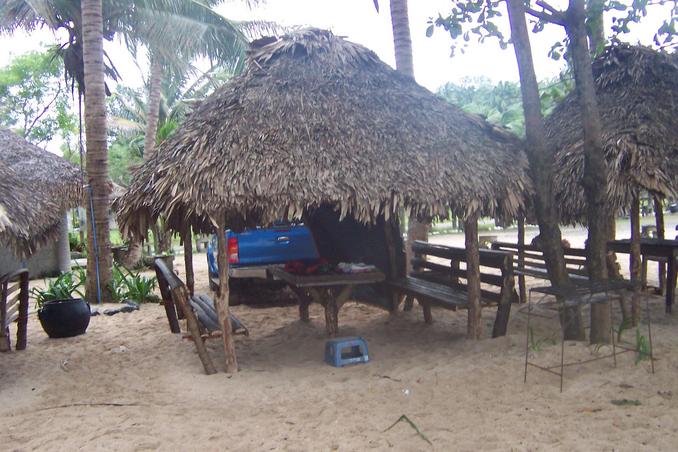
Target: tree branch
x,y
553,16
44,110
544,16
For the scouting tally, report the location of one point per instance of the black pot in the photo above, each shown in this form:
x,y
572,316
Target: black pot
x,y
64,318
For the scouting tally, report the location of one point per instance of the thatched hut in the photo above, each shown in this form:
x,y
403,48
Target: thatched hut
x,y
317,121
36,189
637,90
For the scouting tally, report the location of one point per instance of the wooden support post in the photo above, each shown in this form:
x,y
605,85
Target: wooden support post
x,y
428,317
474,326
634,259
188,259
392,265
508,293
522,288
180,296
661,234
223,298
22,321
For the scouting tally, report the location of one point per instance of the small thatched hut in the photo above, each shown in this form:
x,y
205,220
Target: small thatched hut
x,y
637,90
318,122
36,189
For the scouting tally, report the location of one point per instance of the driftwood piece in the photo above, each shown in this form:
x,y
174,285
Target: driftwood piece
x,y
222,300
180,296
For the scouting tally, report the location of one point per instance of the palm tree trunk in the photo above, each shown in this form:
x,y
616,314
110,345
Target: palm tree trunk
x,y
541,165
97,154
153,106
402,43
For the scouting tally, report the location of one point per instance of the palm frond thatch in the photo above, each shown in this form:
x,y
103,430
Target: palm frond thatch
x,y
36,189
637,90
317,120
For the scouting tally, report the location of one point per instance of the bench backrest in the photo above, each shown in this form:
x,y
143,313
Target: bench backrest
x,y
13,308
449,268
575,258
168,280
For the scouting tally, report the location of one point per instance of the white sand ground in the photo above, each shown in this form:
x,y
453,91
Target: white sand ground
x,y
129,384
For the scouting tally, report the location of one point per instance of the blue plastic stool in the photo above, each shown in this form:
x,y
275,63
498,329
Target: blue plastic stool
x,y
342,351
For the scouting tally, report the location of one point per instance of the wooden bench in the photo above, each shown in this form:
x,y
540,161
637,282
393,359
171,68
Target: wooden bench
x,y
442,282
534,264
13,308
199,311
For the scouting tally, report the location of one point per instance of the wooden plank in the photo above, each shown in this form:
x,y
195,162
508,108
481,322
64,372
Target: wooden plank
x,y
162,273
335,279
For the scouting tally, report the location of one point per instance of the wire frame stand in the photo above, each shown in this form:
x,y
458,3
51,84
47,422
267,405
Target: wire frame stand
x,y
556,299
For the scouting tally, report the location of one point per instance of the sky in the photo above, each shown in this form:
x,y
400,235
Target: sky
x,y
360,22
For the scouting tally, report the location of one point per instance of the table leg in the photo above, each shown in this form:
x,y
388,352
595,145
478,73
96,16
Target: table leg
x,y
331,316
332,306
670,283
304,302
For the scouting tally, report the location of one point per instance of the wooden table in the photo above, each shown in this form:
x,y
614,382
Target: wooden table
x,y
657,248
329,290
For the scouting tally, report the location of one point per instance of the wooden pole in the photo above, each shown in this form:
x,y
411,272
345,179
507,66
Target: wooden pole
x,y
474,326
522,288
188,260
661,233
634,259
222,298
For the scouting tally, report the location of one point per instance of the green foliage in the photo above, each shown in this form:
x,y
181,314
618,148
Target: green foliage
x,y
75,244
642,347
128,285
34,100
537,344
479,19
502,103
60,288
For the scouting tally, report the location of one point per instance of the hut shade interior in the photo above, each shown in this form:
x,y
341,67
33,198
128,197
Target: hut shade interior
x,y
318,120
637,90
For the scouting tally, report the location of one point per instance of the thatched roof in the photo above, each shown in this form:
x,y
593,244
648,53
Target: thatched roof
x,y
36,189
637,90
315,120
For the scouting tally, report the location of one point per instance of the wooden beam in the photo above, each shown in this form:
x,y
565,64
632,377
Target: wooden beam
x,y
223,297
188,260
180,297
474,325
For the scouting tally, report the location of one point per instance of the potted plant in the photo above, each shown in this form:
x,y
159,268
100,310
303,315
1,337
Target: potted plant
x,y
60,313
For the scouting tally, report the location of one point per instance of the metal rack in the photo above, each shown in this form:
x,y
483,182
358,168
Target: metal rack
x,y
554,299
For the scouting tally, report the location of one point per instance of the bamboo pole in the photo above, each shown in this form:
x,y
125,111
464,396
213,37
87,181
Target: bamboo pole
x,y
222,298
474,326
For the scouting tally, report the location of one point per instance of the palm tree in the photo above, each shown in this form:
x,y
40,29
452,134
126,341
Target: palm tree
x,y
138,21
97,154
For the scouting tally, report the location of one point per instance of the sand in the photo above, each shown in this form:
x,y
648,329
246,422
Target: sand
x,y
129,384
